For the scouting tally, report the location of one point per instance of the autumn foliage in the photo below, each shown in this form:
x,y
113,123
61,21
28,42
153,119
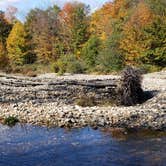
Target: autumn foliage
x,y
72,38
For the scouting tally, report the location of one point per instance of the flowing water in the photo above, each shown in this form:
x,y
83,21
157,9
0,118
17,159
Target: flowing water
x,y
26,145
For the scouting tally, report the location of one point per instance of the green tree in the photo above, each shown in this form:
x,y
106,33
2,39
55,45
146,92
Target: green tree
x,y
158,6
90,51
74,22
111,58
80,27
155,42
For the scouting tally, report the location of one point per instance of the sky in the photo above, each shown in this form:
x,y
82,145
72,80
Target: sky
x,y
25,5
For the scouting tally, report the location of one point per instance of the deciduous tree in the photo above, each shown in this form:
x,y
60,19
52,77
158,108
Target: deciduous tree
x,y
5,28
16,44
42,29
74,26
132,44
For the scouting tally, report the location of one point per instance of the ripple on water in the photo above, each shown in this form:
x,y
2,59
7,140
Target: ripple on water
x,y
26,145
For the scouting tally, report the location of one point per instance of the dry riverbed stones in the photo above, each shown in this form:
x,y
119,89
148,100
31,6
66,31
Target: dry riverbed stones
x,y
151,114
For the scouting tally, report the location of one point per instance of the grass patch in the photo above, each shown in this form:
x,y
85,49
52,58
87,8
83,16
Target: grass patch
x,y
86,101
11,121
90,101
107,103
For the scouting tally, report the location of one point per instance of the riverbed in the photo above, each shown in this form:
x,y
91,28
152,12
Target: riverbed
x,y
27,145
52,100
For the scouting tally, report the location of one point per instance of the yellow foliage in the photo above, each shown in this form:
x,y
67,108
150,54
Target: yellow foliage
x,y
117,9
131,43
100,21
142,16
16,44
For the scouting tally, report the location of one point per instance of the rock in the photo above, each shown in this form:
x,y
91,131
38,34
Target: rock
x,y
50,102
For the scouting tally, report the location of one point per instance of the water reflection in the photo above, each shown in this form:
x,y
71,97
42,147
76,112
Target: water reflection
x,y
25,145
125,134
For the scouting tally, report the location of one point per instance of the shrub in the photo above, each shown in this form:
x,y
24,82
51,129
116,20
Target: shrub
x,y
31,74
54,67
4,61
86,101
29,70
130,89
75,67
11,121
108,63
109,59
69,64
147,68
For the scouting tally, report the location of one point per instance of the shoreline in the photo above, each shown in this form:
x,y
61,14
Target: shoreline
x,y
149,115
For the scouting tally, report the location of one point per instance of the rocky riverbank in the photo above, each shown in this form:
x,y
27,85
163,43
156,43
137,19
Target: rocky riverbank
x,y
56,106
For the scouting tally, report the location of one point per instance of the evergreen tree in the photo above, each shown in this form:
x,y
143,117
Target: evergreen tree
x,y
79,30
111,58
155,42
90,51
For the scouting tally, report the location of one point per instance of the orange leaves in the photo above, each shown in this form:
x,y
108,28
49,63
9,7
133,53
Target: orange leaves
x,y
117,8
131,44
74,22
100,21
142,16
66,14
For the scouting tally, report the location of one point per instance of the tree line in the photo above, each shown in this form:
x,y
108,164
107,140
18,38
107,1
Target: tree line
x,y
72,39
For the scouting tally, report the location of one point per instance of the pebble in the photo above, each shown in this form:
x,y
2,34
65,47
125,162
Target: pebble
x,y
151,114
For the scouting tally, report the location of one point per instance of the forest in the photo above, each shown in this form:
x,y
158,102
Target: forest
x,y
72,39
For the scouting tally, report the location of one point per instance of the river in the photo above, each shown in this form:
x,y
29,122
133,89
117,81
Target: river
x,y
26,145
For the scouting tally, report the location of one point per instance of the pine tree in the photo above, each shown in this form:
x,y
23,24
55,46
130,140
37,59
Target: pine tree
x,y
110,57
90,51
155,42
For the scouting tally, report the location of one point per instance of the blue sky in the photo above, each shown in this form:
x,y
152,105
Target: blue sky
x,y
25,5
